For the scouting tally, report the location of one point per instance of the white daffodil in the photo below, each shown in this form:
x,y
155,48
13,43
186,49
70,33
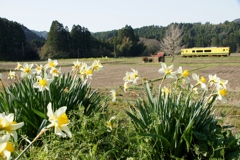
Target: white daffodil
x,y
134,76
96,65
59,121
6,147
165,90
39,69
201,81
125,86
213,79
184,74
55,72
18,67
222,95
51,63
76,66
128,78
11,75
27,70
114,95
7,124
222,83
110,123
42,83
167,71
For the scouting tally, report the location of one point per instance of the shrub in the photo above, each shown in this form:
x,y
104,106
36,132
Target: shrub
x,y
145,59
180,124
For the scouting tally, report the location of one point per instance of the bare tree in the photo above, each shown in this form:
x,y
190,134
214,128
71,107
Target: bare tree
x,y
171,43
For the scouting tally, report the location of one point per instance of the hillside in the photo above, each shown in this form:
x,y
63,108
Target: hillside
x,y
30,35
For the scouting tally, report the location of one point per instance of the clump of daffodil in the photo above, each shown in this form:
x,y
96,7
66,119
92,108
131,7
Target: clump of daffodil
x,y
6,147
59,121
111,123
8,125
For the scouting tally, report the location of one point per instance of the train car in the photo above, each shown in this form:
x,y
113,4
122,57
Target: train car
x,y
205,51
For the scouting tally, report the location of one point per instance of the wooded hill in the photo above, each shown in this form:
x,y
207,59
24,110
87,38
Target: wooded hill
x,y
17,42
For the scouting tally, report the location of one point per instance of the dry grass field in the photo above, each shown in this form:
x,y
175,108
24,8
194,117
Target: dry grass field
x,y
111,77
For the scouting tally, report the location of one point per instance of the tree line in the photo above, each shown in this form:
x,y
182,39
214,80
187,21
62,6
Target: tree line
x,y
81,43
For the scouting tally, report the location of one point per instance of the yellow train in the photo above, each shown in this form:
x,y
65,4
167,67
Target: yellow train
x,y
205,51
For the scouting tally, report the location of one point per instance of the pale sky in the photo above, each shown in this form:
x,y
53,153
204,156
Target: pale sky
x,y
107,15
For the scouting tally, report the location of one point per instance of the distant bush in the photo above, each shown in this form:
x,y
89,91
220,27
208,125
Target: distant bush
x,y
145,59
150,60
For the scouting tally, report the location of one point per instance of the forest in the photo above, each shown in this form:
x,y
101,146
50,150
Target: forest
x,y
19,43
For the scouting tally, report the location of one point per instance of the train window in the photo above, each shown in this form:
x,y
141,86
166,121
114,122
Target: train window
x,y
223,49
207,50
193,51
199,50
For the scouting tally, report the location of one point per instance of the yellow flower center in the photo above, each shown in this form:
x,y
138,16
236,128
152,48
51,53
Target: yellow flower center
x,y
223,92
89,71
42,82
168,72
63,119
185,73
9,147
38,68
203,79
27,70
51,64
110,124
55,71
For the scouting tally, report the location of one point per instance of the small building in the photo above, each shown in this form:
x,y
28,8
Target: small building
x,y
160,56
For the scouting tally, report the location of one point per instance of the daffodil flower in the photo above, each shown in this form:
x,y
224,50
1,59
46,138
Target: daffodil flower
x,y
114,95
184,74
167,71
134,76
51,63
11,75
213,79
18,67
39,69
110,123
127,78
125,86
55,72
6,147
96,65
76,66
199,81
59,121
7,124
222,95
42,83
27,70
165,90
222,83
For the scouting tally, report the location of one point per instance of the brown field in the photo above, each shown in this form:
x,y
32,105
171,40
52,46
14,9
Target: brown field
x,y
111,76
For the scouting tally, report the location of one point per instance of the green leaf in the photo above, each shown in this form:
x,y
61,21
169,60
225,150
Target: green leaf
x,y
39,113
199,135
